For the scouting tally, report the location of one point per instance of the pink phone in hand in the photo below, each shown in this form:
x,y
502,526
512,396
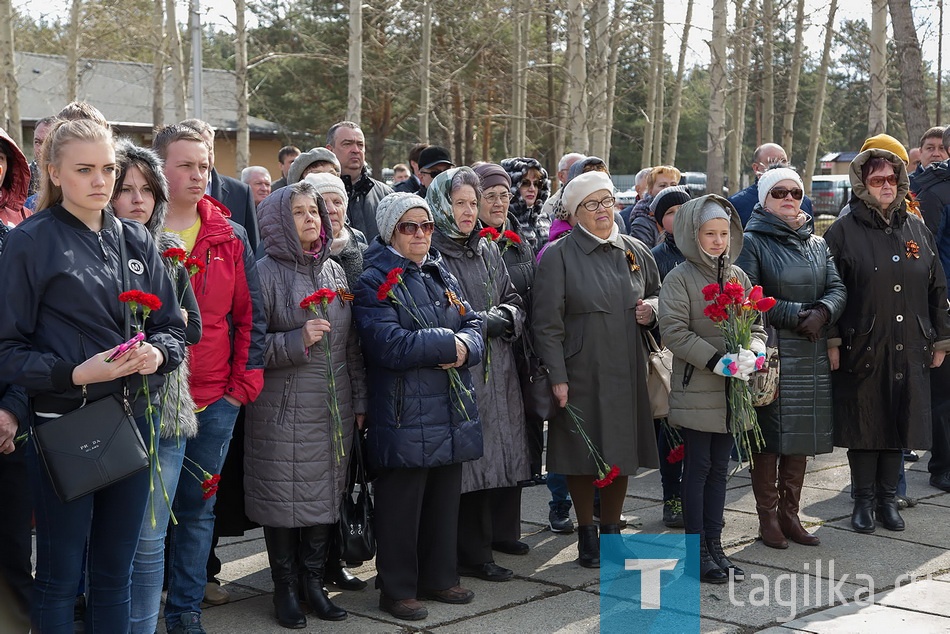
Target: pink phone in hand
x,y
125,347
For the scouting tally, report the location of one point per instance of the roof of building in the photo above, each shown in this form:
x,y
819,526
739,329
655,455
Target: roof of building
x,y
123,92
838,157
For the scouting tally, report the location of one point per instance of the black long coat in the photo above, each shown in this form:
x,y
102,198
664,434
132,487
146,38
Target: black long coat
x,y
795,267
895,316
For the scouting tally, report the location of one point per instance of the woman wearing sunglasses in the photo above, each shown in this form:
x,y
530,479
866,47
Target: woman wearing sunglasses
x,y
782,254
894,328
415,328
490,509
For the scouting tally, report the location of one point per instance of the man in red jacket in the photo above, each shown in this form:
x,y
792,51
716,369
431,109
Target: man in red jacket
x,y
226,365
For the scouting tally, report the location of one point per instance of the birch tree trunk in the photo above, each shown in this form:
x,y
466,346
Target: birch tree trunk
x,y
740,53
716,132
617,42
911,69
877,111
812,155
660,85
791,101
424,72
745,70
175,56
555,130
72,51
158,64
10,93
519,76
768,71
656,55
243,154
676,105
354,73
937,117
577,77
597,79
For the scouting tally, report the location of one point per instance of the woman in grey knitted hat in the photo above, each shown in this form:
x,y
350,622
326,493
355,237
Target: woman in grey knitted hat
x,y
420,338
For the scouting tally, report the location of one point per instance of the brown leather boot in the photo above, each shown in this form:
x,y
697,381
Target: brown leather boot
x,y
791,475
764,474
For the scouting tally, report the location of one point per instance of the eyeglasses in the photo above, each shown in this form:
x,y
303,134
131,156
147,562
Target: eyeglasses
x,y
606,203
491,199
878,181
410,228
431,173
779,193
535,184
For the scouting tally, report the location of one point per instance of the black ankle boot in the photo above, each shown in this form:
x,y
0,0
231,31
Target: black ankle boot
x,y
888,474
588,546
315,540
863,475
287,606
709,570
282,555
714,548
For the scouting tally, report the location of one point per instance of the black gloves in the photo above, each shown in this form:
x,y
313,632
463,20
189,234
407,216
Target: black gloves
x,y
811,321
500,322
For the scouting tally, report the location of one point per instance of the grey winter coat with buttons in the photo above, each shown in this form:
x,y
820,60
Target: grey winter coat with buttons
x,y
896,315
795,267
481,272
292,477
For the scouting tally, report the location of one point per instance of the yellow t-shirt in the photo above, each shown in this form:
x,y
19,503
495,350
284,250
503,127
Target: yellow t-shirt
x,y
189,236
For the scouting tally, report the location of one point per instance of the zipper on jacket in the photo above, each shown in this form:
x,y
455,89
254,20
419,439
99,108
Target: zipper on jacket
x,y
687,375
102,245
204,282
284,399
399,398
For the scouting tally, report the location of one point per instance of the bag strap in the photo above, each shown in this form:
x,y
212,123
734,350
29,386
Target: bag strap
x,y
126,313
652,344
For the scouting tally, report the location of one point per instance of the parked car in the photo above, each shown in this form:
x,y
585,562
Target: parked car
x,y
829,194
696,183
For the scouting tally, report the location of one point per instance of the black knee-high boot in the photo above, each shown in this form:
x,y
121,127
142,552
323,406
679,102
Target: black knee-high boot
x,y
888,474
315,540
863,476
282,556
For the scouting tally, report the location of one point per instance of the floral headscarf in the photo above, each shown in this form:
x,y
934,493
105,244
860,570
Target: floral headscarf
x,y
438,195
517,169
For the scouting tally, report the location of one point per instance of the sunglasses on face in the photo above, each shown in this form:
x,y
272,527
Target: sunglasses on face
x,y
878,181
410,228
535,184
431,173
779,193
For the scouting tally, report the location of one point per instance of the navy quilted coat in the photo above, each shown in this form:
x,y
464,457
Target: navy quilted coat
x,y
414,418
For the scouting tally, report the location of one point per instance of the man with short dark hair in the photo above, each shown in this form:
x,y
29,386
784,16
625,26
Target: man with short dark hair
x,y
285,157
345,139
231,192
413,184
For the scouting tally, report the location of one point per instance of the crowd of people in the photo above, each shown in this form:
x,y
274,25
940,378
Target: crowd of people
x,y
301,322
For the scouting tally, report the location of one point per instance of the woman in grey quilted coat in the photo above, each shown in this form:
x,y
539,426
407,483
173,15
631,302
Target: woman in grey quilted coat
x,y
296,456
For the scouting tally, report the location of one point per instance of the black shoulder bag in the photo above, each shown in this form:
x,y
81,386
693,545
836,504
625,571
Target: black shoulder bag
x,y
357,537
98,444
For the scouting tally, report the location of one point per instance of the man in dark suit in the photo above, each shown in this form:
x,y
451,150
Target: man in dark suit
x,y
230,192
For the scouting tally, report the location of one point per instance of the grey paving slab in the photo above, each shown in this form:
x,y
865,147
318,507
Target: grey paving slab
x,y
257,615
569,613
855,619
923,526
932,597
710,626
817,505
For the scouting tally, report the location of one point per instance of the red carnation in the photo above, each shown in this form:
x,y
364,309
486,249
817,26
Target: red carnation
x,y
325,295
488,232
394,276
135,298
716,312
724,300
194,266
609,478
710,291
308,301
676,454
735,292
175,254
384,290
512,236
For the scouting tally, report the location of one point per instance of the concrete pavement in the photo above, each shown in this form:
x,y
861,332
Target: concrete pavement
x,y
851,583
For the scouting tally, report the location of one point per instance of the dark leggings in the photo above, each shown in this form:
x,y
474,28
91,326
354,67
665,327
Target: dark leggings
x,y
670,472
704,481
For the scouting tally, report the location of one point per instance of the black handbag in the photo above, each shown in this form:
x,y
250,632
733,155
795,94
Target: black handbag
x,y
98,444
535,384
357,537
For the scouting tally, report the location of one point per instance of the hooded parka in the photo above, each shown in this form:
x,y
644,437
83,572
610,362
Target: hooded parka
x,y
292,477
795,267
698,395
895,317
14,184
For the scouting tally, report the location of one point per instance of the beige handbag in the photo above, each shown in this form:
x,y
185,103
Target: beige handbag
x,y
764,383
660,374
